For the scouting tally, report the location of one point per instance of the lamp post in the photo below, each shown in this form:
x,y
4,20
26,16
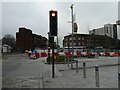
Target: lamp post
x,y
48,59
72,36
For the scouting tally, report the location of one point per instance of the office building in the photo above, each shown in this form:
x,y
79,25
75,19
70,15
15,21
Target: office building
x,y
108,29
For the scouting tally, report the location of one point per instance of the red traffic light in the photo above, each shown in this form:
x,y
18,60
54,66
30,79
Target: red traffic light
x,y
53,14
53,23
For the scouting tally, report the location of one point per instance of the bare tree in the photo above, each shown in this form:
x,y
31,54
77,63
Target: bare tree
x,y
9,40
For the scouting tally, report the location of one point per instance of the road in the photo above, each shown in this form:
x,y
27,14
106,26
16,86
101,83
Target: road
x,y
21,72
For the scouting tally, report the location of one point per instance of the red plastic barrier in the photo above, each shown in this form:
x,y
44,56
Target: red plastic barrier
x,y
89,53
107,53
78,53
37,55
68,54
118,53
99,53
56,54
43,54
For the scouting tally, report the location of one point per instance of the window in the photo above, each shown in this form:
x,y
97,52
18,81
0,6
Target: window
x,y
82,38
70,38
66,43
74,38
107,29
79,38
79,43
74,43
66,39
70,44
83,43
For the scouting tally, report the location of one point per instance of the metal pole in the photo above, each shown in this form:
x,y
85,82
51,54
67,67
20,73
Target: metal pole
x,y
57,43
65,60
68,62
84,69
77,66
48,47
49,54
97,75
53,72
72,37
119,80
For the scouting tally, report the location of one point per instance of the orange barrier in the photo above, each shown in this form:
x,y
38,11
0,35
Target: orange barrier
x,y
116,54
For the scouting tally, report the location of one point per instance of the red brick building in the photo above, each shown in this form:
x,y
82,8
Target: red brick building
x,y
90,41
25,40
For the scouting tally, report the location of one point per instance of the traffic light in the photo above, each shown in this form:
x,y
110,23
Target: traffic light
x,y
53,22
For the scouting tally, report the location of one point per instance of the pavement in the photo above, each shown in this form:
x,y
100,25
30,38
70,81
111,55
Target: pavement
x,y
26,73
65,77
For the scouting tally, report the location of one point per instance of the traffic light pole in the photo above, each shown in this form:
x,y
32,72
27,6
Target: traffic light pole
x,y
53,72
53,32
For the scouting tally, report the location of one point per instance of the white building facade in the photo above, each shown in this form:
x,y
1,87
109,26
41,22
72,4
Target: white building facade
x,y
108,29
0,46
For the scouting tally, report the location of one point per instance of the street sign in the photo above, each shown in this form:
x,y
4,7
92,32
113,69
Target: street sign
x,y
75,27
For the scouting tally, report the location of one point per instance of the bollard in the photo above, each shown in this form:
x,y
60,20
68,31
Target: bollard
x,y
72,63
65,60
119,80
76,66
68,62
84,69
97,75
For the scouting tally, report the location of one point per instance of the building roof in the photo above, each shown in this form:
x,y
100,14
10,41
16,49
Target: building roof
x,y
81,35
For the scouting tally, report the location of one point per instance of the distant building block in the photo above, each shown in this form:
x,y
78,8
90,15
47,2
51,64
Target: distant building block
x,y
118,22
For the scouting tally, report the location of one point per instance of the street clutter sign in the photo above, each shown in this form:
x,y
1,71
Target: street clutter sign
x,y
75,27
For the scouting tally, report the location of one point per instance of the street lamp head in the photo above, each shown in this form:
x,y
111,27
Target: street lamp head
x,y
71,6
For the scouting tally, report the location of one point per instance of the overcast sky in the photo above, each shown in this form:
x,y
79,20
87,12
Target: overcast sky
x,y
35,16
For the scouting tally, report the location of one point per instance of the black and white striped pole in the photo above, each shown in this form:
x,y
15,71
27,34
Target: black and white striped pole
x,y
77,66
118,80
97,75
84,69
